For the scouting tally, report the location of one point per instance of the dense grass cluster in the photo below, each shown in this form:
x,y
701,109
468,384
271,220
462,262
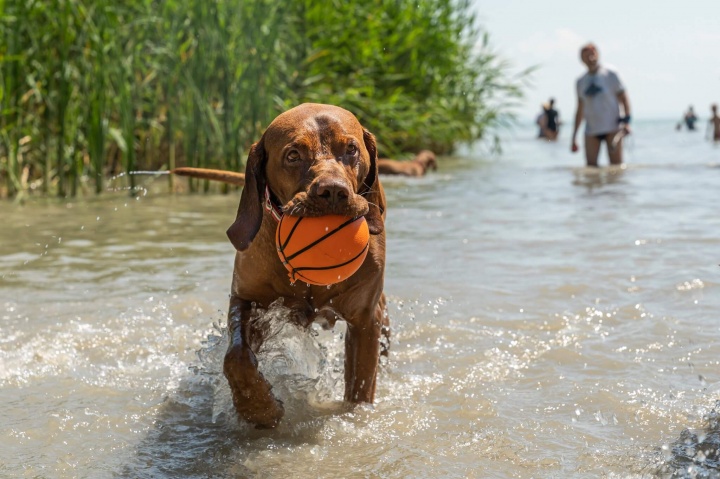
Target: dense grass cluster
x,y
92,88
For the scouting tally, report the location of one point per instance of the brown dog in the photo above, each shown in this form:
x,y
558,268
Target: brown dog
x,y
312,160
418,166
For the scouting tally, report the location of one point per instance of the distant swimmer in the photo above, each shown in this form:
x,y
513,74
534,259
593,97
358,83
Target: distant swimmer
x,y
552,121
600,94
714,123
540,121
689,119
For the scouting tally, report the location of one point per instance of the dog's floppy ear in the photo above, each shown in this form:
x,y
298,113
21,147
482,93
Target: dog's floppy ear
x,y
250,212
371,189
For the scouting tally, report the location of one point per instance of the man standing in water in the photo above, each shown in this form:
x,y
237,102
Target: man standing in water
x,y
600,95
714,123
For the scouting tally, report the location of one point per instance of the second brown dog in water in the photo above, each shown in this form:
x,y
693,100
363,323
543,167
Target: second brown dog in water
x,y
312,160
418,166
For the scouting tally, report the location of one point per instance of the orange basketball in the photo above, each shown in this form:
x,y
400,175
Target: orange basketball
x,y
323,250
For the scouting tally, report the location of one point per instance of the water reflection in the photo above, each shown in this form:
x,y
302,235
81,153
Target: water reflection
x,y
595,178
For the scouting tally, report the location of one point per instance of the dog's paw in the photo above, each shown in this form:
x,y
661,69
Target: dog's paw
x,y
265,414
251,393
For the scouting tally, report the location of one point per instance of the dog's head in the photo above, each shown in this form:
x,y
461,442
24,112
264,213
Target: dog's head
x,y
315,160
427,159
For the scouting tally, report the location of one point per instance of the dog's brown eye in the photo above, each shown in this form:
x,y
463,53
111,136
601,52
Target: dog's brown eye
x,y
293,156
351,149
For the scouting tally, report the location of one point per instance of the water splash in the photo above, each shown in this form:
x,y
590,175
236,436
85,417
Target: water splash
x,y
305,374
695,454
136,190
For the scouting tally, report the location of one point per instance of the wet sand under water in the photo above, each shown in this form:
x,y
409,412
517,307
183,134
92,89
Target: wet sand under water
x,y
548,321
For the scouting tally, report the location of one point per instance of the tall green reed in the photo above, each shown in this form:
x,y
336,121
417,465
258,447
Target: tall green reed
x,y
92,88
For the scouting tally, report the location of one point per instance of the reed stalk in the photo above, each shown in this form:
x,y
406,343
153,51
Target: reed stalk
x,y
92,86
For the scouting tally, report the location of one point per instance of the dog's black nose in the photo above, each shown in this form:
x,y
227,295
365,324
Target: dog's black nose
x,y
333,191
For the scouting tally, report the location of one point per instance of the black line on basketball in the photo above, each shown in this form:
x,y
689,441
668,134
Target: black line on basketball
x,y
292,230
327,235
320,268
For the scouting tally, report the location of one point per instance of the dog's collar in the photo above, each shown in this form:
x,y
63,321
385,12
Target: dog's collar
x,y
272,206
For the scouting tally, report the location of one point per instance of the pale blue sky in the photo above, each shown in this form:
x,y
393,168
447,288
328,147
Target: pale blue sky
x,y
666,52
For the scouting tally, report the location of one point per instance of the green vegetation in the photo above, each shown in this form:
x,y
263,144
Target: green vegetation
x,y
93,88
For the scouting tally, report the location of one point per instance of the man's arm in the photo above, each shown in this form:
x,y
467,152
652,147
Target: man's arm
x,y
578,120
625,103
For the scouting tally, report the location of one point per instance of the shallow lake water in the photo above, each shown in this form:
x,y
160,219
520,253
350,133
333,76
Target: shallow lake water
x,y
548,321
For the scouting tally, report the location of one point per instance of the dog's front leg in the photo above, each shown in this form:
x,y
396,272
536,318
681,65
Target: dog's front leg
x,y
251,393
362,355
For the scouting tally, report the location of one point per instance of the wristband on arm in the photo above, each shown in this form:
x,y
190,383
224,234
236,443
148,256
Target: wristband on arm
x,y
625,119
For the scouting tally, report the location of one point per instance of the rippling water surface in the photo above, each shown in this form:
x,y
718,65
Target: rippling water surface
x,y
548,322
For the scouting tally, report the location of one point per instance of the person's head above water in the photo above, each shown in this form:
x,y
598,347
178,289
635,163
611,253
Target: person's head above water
x,y
590,56
713,107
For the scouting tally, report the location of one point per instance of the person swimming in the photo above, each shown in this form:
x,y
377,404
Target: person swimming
x,y
549,121
689,119
552,121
